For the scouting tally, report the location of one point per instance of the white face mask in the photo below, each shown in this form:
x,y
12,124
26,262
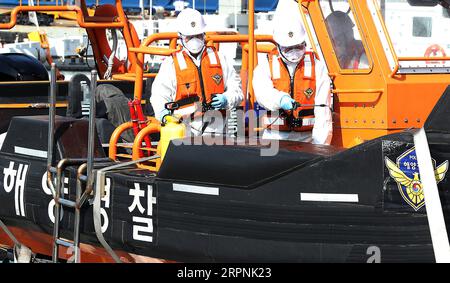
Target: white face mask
x,y
195,45
294,56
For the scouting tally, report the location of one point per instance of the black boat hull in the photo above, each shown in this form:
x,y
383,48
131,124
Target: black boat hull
x,y
227,203
263,223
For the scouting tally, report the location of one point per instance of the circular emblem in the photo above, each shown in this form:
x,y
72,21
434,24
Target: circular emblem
x,y
416,188
193,24
309,92
291,34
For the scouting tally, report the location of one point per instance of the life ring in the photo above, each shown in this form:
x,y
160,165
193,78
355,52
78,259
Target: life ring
x,y
435,50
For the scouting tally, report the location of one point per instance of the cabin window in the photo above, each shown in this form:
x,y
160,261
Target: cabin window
x,y
446,13
422,26
416,29
344,34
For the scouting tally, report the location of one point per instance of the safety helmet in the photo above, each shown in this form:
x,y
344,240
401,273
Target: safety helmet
x,y
288,29
339,23
190,22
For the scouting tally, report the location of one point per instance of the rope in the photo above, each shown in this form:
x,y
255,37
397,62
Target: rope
x,y
108,72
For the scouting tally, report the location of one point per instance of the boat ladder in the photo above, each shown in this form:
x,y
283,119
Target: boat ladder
x,y
85,174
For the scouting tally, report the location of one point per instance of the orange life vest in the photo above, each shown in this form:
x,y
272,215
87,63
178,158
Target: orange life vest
x,y
203,81
302,88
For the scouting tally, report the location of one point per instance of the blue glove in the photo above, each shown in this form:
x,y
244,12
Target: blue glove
x,y
287,103
219,101
163,114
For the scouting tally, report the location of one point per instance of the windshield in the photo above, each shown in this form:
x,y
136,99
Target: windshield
x,y
344,34
417,31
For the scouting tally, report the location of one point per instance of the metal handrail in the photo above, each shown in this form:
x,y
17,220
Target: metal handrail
x,y
357,91
350,94
51,127
92,133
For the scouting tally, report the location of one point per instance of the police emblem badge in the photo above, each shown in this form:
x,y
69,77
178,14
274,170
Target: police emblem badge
x,y
217,79
406,174
291,34
193,24
309,92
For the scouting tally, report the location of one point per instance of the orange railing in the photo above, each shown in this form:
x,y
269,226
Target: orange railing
x,y
139,150
250,49
88,22
115,139
146,48
415,59
211,38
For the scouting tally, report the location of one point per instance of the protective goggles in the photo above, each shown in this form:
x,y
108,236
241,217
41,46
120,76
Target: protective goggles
x,y
295,47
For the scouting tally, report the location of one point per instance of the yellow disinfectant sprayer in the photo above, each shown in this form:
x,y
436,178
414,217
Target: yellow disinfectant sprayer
x,y
173,128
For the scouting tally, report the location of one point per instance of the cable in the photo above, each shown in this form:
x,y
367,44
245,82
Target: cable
x,y
87,51
108,72
316,105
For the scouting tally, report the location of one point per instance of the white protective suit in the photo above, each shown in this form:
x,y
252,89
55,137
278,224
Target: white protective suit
x,y
164,90
269,97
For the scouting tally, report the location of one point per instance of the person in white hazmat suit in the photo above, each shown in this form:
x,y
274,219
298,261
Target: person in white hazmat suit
x,y
294,83
197,71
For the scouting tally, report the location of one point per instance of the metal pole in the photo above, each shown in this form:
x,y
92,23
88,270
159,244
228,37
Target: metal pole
x,y
151,17
9,233
51,115
76,240
91,135
235,15
435,214
57,210
51,141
